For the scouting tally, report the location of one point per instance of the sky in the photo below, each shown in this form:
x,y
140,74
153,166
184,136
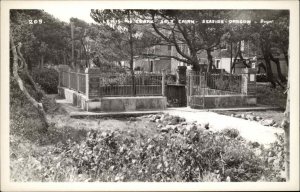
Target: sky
x,y
64,14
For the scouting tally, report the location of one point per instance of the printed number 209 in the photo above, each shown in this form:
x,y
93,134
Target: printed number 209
x,y
35,21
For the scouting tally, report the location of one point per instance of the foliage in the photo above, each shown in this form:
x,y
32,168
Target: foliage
x,y
24,118
120,39
48,39
120,156
262,77
273,159
126,79
47,78
72,154
268,95
232,133
226,82
170,79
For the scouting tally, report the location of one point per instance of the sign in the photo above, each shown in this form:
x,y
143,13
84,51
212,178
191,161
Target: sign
x,y
252,77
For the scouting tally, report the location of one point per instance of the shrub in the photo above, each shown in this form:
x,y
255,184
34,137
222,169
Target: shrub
x,y
47,78
232,133
123,156
24,118
170,79
267,95
261,77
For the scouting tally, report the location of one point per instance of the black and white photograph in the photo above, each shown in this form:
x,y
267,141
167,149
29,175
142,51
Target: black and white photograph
x,y
198,96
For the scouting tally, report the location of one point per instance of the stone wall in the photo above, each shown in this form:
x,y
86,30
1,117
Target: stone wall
x,y
223,101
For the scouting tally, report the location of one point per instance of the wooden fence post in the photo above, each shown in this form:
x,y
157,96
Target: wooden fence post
x,y
78,80
59,76
69,78
163,83
87,83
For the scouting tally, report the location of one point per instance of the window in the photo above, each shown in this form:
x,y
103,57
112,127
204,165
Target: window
x,y
169,47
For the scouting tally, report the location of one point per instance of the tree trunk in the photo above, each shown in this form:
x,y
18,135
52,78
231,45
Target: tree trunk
x,y
235,58
210,60
25,70
265,49
64,57
269,70
261,65
37,105
195,63
286,56
276,61
131,56
72,53
242,58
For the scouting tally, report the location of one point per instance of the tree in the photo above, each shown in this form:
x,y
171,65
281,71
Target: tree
x,y
40,40
16,58
271,35
122,36
189,28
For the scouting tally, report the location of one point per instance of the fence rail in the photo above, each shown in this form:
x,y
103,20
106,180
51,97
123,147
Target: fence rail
x,y
113,84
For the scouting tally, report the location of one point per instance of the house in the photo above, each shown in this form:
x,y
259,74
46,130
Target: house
x,y
221,58
153,63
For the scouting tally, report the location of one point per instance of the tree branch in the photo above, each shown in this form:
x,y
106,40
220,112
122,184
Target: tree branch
x,y
170,56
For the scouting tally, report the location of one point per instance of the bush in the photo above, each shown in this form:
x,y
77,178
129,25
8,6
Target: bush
x,y
261,77
47,78
24,118
232,133
267,95
124,156
171,79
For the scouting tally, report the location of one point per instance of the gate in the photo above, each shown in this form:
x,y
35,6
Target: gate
x,y
176,95
196,84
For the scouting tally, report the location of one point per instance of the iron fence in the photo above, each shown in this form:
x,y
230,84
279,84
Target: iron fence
x,y
113,84
142,84
82,82
214,84
65,79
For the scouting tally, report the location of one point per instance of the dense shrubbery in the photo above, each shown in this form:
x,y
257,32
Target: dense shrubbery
x,y
47,78
192,155
267,95
24,118
261,77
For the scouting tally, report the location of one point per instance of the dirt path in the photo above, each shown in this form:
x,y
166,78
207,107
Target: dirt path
x,y
250,130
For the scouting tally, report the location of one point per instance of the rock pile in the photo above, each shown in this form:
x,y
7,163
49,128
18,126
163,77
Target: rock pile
x,y
168,123
252,117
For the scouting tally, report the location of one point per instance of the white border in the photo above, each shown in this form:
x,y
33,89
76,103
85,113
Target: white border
x,y
293,6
